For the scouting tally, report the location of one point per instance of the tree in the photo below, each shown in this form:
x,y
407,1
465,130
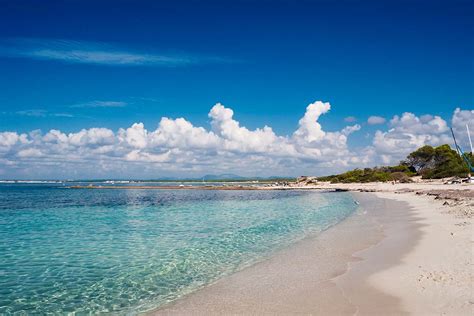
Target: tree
x,y
421,159
436,163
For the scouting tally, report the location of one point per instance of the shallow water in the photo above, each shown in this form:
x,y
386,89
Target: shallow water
x,y
127,251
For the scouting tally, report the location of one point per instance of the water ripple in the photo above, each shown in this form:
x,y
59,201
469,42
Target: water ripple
x,y
126,251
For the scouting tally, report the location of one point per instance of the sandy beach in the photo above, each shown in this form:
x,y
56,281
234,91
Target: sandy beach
x,y
407,250
435,277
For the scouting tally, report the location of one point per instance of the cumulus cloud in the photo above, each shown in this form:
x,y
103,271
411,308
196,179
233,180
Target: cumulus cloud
x,y
177,147
375,120
409,132
135,136
309,129
9,139
240,139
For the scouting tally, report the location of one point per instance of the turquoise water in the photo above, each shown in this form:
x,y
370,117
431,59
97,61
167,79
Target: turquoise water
x,y
128,251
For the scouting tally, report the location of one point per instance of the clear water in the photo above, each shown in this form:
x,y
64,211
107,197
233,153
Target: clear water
x,y
128,251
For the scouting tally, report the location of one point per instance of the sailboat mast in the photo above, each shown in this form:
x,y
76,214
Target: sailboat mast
x,y
455,143
469,137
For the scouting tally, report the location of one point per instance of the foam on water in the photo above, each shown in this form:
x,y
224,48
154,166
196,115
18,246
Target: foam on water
x,y
127,251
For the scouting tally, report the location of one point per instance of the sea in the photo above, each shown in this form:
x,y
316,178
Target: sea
x,y
129,251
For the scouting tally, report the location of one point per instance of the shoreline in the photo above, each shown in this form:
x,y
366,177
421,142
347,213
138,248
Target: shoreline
x,y
387,258
459,198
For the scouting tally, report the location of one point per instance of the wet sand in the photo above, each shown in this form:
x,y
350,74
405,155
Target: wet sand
x,y
326,274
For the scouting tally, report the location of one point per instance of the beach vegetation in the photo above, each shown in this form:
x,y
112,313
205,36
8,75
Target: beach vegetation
x,y
428,162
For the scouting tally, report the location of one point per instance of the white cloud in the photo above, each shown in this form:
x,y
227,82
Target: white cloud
x,y
177,147
82,52
100,104
37,113
460,119
137,155
426,124
350,129
92,137
29,153
62,115
10,139
180,133
309,129
237,138
407,133
375,120
135,136
350,119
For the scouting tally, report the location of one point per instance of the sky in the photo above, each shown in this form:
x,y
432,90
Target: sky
x,y
152,89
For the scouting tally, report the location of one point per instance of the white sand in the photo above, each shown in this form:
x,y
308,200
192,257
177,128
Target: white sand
x,y
436,277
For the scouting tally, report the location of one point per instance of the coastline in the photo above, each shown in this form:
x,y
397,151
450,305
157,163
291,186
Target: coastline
x,y
398,254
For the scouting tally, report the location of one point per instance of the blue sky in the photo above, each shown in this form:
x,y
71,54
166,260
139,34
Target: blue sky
x,y
72,65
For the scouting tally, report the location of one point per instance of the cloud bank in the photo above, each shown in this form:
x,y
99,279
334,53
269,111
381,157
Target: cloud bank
x,y
178,148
